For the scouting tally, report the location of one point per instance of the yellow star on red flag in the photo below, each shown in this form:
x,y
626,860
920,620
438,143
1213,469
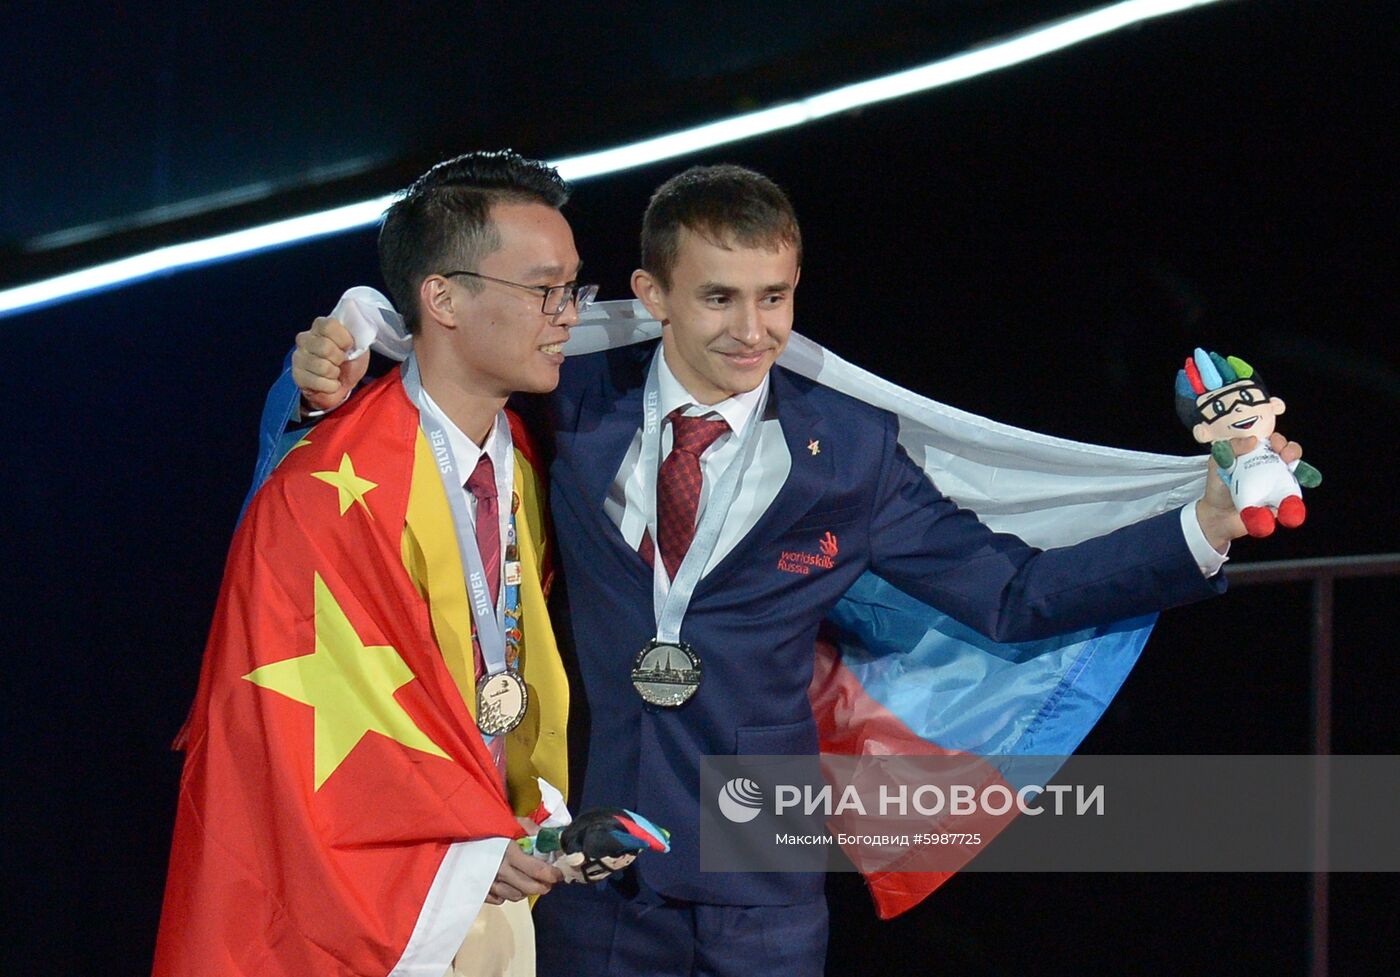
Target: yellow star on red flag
x,y
349,684
350,487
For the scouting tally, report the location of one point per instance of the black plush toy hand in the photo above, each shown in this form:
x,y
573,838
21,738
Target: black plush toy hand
x,y
598,843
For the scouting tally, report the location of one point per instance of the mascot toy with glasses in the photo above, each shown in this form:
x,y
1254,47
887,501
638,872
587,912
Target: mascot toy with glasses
x,y
1222,400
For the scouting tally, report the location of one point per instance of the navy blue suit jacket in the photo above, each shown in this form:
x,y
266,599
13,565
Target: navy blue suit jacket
x,y
754,617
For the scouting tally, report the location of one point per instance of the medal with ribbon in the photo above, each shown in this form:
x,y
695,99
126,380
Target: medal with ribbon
x,y
667,671
501,695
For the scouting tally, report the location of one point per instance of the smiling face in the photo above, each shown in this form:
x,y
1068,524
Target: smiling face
x,y
726,315
1236,410
495,336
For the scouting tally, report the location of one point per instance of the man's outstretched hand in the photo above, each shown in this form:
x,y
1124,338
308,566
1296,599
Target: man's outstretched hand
x,y
319,365
1216,510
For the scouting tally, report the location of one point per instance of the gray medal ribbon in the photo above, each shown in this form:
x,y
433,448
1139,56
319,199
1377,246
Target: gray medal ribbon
x,y
670,606
490,629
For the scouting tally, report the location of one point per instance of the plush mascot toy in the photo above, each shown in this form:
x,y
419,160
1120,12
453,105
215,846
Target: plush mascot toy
x,y
1221,400
598,843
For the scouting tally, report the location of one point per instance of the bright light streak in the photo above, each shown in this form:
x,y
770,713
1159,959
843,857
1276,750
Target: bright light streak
x,y
990,57
1005,53
190,254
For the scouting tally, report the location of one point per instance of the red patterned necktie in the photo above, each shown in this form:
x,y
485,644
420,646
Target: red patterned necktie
x,y
678,486
482,485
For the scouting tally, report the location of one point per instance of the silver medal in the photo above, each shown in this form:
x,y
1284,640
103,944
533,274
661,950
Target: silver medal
x,y
666,673
501,702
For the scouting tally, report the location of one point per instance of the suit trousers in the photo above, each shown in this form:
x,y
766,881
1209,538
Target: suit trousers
x,y
613,930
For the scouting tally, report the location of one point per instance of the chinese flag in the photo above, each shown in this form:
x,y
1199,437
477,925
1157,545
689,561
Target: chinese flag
x,y
338,813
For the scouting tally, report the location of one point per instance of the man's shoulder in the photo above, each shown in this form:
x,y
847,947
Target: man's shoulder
x,y
852,416
381,409
608,372
620,362
370,440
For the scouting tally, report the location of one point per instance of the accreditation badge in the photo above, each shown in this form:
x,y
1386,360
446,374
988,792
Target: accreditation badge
x,y
500,703
666,673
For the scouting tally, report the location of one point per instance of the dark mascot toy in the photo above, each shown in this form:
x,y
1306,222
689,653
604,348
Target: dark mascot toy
x,y
599,842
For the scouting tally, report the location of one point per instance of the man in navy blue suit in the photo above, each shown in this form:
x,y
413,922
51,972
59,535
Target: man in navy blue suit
x,y
711,509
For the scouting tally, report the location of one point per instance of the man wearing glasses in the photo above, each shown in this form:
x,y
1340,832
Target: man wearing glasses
x,y
382,708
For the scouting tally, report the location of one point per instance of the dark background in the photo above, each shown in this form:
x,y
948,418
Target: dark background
x,y
1042,245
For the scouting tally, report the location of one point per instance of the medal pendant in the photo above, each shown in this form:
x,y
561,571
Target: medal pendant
x,y
500,703
666,673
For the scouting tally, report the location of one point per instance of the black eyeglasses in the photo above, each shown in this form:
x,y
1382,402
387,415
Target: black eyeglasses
x,y
1218,406
556,297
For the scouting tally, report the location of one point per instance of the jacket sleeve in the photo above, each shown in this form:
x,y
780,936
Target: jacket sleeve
x,y
997,584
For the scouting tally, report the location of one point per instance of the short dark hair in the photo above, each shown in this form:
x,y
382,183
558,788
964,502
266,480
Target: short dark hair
x,y
443,220
722,204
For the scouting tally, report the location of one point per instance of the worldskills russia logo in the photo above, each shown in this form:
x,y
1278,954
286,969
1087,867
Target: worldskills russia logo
x,y
801,562
740,800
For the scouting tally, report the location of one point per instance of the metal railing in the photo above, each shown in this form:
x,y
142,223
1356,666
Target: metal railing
x,y
1322,574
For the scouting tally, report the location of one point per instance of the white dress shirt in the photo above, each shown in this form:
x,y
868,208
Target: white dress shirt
x,y
631,500
466,454
1204,554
